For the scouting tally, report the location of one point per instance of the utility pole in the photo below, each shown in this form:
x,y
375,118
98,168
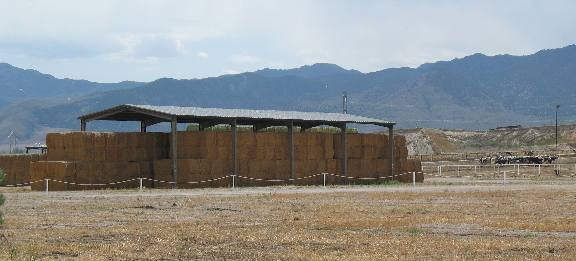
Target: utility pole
x,y
344,103
557,107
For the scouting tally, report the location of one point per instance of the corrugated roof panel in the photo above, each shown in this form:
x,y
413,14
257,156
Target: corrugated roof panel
x,y
249,114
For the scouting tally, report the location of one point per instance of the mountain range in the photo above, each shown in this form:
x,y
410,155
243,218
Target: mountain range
x,y
473,92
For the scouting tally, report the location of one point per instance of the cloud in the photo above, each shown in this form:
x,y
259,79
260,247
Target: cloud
x,y
246,35
244,59
202,55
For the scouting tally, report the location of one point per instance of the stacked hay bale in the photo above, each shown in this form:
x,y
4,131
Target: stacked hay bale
x,y
17,167
368,155
99,158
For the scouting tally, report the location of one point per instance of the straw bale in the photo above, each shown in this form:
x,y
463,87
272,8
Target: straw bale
x,y
189,152
37,172
300,152
382,167
246,139
313,139
329,152
219,168
282,169
354,139
354,167
225,152
331,166
281,153
370,139
224,140
54,141
315,152
369,168
245,152
355,152
300,139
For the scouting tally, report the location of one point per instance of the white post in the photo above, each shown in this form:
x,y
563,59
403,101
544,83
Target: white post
x,y
458,171
140,179
233,181
475,170
324,174
539,165
504,177
46,184
413,178
518,171
440,170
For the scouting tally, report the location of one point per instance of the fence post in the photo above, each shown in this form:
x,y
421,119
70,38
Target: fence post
x,y
413,178
475,169
518,171
140,179
440,170
233,181
504,177
458,170
46,184
324,179
539,165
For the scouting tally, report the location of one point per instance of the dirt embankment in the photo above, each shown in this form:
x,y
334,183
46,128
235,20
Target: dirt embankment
x,y
429,141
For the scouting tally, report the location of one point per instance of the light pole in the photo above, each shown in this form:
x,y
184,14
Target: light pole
x,y
344,103
557,107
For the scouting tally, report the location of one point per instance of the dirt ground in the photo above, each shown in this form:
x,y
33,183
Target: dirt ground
x,y
378,222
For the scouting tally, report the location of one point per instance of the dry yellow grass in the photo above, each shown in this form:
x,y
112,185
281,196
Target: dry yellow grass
x,y
367,223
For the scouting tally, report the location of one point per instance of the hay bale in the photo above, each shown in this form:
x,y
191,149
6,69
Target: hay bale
x,y
300,152
282,169
300,139
315,152
37,172
246,139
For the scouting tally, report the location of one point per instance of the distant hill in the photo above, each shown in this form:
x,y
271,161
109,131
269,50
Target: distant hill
x,y
18,84
541,138
474,92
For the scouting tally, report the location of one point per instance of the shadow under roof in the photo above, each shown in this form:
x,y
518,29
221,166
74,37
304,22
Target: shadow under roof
x,y
131,112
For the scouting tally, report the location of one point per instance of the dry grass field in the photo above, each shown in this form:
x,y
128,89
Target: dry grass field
x,y
487,221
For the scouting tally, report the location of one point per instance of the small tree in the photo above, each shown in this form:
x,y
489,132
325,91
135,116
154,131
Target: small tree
x,y
1,196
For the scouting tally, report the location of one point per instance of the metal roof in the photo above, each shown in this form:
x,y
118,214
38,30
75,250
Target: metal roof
x,y
131,112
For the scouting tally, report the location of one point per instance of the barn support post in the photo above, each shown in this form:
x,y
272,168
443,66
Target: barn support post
x,y
82,125
291,144
234,127
344,142
142,126
174,151
391,149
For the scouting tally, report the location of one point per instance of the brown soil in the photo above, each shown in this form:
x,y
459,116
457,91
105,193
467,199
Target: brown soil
x,y
535,221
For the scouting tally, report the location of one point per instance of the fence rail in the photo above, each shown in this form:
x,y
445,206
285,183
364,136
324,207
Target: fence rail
x,y
233,180
536,170
502,172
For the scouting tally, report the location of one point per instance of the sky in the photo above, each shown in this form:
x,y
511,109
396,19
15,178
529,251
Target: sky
x,y
143,40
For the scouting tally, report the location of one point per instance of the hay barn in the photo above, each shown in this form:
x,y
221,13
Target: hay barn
x,y
208,158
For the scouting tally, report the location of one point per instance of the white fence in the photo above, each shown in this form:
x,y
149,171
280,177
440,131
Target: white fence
x,y
514,170
232,179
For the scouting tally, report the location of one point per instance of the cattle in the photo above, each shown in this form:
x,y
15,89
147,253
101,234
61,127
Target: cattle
x,y
508,159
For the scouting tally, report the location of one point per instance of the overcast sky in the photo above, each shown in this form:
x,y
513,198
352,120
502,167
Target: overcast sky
x,y
115,40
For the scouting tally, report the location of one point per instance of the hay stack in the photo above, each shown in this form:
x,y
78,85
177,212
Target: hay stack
x,y
17,167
